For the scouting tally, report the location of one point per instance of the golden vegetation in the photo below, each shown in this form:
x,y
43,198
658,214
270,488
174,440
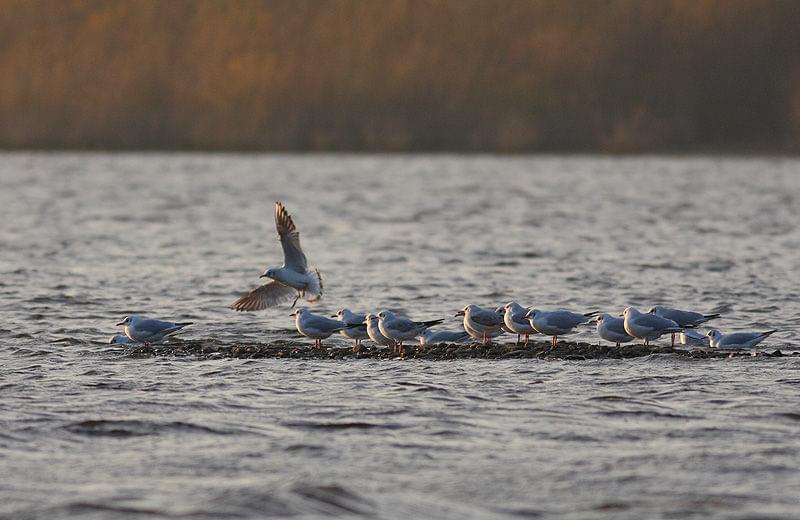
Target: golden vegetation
x,y
502,75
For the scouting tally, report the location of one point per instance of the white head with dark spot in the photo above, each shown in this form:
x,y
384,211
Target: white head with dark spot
x,y
714,334
531,314
300,312
128,320
269,273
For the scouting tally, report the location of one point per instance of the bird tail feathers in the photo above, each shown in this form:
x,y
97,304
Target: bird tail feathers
x,y
313,293
431,323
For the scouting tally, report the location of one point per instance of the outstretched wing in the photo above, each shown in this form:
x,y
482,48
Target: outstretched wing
x,y
268,295
293,256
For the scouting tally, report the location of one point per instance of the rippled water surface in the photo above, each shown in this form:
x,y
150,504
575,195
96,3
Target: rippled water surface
x,y
87,431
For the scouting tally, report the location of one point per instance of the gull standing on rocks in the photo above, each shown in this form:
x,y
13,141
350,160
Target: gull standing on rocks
x,y
143,330
556,323
316,326
374,331
293,278
682,318
612,329
401,329
515,321
502,310
737,340
359,330
648,326
484,321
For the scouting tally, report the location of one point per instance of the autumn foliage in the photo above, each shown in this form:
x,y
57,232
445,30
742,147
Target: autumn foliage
x,y
396,75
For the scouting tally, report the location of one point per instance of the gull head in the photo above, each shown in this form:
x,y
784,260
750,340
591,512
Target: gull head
x,y
342,313
512,307
369,318
302,311
653,310
531,314
384,314
127,320
465,310
713,334
630,311
269,273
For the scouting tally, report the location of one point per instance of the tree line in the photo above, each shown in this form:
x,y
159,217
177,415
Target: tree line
x,y
401,75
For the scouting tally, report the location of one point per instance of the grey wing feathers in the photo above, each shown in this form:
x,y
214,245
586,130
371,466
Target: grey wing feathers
x,y
323,323
293,256
404,325
486,319
268,295
566,319
157,326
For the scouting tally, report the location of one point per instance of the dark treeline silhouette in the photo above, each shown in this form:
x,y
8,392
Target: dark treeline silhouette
x,y
492,75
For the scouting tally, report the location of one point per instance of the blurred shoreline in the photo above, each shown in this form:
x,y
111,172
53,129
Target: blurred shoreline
x,y
459,76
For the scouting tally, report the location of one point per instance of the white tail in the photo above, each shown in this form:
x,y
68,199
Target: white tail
x,y
313,293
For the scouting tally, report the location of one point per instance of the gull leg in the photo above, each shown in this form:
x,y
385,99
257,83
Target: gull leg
x,y
295,300
526,339
673,339
519,338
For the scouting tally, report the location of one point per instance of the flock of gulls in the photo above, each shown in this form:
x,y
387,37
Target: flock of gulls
x,y
295,280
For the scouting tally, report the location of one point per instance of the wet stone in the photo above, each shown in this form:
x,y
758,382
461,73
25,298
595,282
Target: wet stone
x,y
292,349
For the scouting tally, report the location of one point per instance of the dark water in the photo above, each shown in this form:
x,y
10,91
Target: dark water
x,y
89,432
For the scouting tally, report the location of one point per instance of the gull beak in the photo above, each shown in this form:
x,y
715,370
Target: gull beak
x,y
335,316
293,314
621,315
119,324
263,276
459,313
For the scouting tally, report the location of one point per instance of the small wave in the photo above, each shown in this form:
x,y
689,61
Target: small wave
x,y
333,499
357,425
647,413
83,509
422,387
134,428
